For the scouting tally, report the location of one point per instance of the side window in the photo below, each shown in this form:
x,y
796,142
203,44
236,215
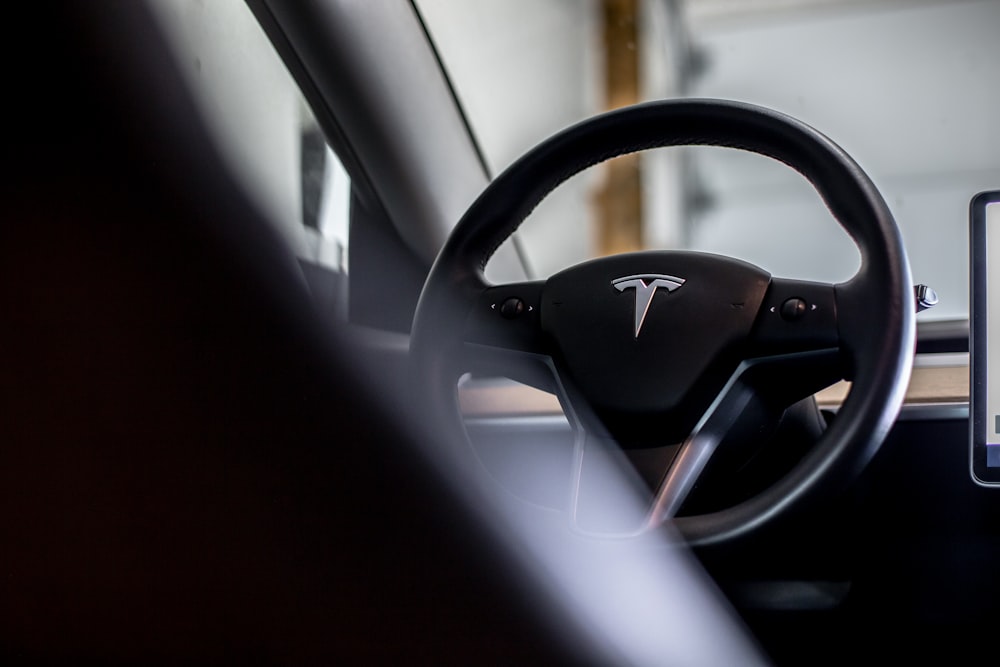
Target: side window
x,y
268,135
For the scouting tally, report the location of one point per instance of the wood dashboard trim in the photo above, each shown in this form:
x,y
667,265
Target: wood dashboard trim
x,y
929,384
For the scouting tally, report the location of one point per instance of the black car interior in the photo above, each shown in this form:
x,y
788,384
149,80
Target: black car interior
x,y
198,466
192,472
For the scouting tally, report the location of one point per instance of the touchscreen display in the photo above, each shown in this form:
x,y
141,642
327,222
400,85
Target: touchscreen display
x,y
985,337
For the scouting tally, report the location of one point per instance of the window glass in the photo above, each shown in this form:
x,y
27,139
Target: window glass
x,y
903,85
267,133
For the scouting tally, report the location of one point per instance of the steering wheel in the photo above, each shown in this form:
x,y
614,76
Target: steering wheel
x,y
670,347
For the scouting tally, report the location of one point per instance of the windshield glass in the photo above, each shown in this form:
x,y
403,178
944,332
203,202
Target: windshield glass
x,y
904,86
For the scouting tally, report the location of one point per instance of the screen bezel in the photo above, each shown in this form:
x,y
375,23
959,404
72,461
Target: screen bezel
x,y
978,337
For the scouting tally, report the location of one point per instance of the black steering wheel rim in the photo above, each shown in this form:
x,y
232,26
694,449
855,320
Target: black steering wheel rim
x,y
877,300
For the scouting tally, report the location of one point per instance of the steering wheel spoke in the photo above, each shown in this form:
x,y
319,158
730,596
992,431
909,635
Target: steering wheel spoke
x,y
620,491
796,315
503,337
507,317
609,496
694,454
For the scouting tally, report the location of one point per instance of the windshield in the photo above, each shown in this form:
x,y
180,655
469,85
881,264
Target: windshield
x,y
904,86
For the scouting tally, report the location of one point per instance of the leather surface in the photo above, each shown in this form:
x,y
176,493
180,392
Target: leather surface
x,y
878,298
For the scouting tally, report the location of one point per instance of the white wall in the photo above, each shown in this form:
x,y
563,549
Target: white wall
x,y
255,110
524,70
905,86
909,89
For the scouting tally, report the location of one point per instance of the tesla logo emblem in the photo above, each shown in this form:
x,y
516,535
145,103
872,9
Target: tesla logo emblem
x,y
645,287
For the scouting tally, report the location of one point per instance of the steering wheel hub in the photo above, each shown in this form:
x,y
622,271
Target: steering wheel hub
x,y
649,339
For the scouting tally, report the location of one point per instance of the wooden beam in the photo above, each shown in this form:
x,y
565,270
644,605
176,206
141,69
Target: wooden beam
x,y
619,201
